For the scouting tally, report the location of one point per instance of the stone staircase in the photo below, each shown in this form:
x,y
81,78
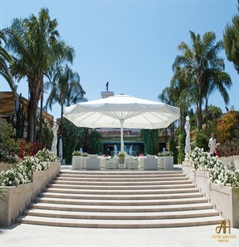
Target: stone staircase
x,y
120,199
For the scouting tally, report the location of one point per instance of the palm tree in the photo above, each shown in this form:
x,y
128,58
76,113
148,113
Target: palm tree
x,y
65,88
5,58
200,62
231,42
180,91
222,82
167,97
37,46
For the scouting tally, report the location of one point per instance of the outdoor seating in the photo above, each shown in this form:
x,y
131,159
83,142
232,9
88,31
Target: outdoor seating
x,y
151,163
93,162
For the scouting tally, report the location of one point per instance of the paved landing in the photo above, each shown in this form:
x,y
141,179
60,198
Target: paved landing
x,y
23,235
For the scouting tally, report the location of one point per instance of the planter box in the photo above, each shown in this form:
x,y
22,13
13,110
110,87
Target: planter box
x,y
76,162
227,161
165,162
109,164
92,162
132,162
151,163
18,198
224,199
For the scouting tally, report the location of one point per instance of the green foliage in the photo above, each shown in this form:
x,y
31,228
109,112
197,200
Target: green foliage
x,y
95,143
172,147
20,121
47,137
22,172
203,135
229,148
69,140
201,140
181,152
231,42
150,138
6,142
226,127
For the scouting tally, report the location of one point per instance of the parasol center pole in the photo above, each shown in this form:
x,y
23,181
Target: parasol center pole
x,y
121,135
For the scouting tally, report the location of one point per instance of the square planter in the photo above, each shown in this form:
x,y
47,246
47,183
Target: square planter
x,y
166,162
76,162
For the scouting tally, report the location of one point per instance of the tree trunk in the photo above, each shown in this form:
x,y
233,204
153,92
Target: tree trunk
x,y
36,88
32,109
199,110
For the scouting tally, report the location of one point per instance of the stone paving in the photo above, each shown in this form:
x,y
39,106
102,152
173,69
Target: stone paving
x,y
23,235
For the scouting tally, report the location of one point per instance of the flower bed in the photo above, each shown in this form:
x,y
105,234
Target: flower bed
x,y
23,182
217,182
17,199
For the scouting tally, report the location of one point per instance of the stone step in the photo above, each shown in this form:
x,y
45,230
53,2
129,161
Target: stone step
x,y
121,192
120,197
122,187
130,183
121,216
122,202
120,209
122,179
119,173
158,223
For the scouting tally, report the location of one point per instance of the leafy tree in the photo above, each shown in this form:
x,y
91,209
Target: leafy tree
x,y
181,142
36,46
150,138
172,147
180,93
65,88
203,135
5,58
226,127
211,113
200,63
222,82
231,41
6,142
95,143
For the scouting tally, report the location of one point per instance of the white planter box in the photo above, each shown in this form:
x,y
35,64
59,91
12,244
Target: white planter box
x,y
224,199
132,162
18,198
109,164
76,162
92,162
165,162
151,163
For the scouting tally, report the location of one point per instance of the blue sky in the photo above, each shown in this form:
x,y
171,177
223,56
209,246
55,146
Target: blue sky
x,y
131,44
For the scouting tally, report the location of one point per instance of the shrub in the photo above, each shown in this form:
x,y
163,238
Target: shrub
x,y
229,148
226,127
218,174
22,172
